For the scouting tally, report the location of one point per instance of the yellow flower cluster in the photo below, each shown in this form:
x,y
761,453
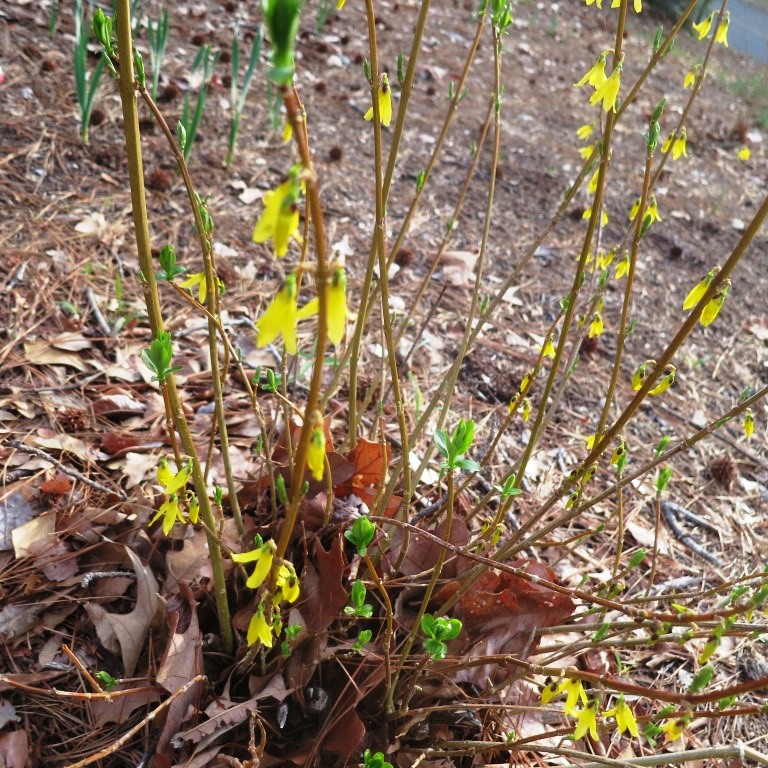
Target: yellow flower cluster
x,y
173,483
266,623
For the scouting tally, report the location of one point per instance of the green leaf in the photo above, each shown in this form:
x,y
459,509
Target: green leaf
x,y
441,441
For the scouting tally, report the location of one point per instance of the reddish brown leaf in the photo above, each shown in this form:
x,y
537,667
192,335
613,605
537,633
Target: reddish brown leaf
x,y
57,485
324,595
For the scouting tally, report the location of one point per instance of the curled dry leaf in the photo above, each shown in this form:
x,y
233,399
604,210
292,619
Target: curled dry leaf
x,y
126,631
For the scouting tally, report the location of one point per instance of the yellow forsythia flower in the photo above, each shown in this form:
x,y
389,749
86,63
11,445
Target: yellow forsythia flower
x,y
678,144
586,152
625,717
674,729
549,691
280,219
585,131
548,350
337,306
575,691
385,102
259,628
713,308
666,380
288,582
638,5
697,292
586,722
170,513
193,507
604,259
526,409
608,92
316,450
703,27
263,556
596,76
287,131
642,371
721,36
745,153
690,77
749,423
603,216
592,186
280,318
198,279
340,4
622,267
171,481
596,326
592,2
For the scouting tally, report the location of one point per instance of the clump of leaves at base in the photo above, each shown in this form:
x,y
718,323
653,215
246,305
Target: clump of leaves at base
x,y
438,630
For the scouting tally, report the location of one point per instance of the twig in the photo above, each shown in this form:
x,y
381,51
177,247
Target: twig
x,y
670,511
125,738
97,316
65,469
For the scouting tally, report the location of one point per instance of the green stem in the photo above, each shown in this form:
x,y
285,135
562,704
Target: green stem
x,y
152,300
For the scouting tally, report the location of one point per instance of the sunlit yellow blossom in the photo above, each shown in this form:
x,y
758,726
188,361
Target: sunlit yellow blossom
x,y
603,216
618,451
596,326
337,307
288,582
703,27
721,36
280,318
385,102
259,628
170,513
698,291
745,153
678,142
666,380
587,722
608,92
674,729
263,557
280,219
625,717
596,76
690,77
171,481
642,371
548,350
340,4
592,186
653,210
585,131
590,441
638,5
622,267
592,2
575,691
288,131
193,507
711,311
604,259
549,691
749,423
316,449
526,409
586,152
198,279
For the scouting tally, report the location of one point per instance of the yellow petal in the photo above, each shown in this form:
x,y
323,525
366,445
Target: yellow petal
x,y
316,453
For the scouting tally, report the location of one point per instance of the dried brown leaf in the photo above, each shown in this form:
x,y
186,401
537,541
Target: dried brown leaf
x,y
126,631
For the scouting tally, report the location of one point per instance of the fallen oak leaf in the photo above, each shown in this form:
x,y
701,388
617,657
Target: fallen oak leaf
x,y
126,631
